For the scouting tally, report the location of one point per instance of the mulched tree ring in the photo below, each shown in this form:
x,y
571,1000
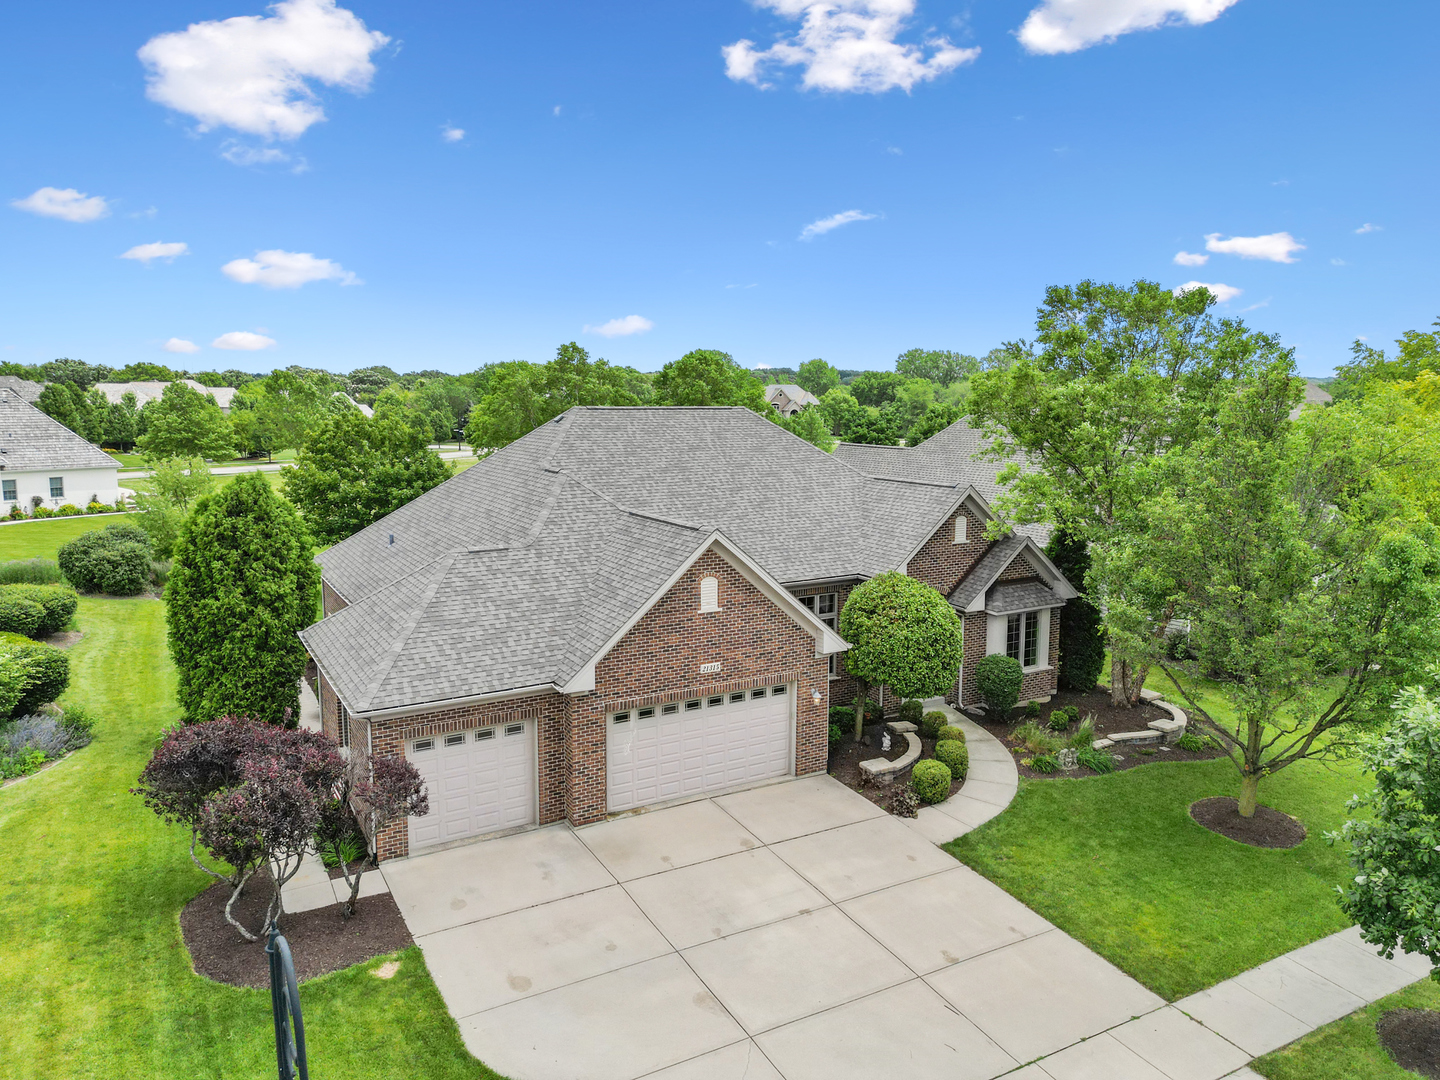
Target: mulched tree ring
x,y
1267,829
1412,1038
320,941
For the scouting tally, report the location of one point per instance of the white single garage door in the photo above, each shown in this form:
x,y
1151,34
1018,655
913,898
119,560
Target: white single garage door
x,y
479,781
698,746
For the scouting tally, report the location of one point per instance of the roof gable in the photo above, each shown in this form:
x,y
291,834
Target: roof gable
x,y
30,441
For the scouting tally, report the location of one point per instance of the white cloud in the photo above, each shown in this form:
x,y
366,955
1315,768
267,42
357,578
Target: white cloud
x,y
452,134
180,345
67,204
243,341
276,269
630,324
1338,262
763,367
250,73
556,111
1223,293
1273,247
1257,307
834,221
237,153
1190,258
846,45
1367,227
145,252
1065,26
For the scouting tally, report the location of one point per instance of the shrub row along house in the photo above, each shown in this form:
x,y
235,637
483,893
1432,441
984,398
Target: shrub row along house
x,y
41,459
632,605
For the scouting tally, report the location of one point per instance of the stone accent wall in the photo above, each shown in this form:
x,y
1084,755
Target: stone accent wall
x,y
754,642
941,563
388,736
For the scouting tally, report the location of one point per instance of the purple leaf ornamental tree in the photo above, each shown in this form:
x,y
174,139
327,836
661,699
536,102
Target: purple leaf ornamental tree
x,y
367,800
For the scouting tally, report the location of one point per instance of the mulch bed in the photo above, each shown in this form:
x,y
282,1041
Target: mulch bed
x,y
320,941
1412,1038
1108,720
64,639
845,765
1267,829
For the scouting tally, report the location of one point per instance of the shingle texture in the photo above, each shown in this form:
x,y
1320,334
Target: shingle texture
x,y
518,570
32,442
1010,597
27,390
150,389
952,456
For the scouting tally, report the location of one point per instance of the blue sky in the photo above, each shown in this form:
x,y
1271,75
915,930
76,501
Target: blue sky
x,y
614,163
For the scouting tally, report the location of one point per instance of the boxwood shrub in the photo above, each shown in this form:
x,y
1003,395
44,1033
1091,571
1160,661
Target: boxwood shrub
x,y
19,615
954,756
911,710
932,722
998,678
951,733
930,780
45,672
114,560
58,603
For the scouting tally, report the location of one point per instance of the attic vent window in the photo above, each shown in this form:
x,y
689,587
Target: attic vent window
x,y
709,594
392,539
961,524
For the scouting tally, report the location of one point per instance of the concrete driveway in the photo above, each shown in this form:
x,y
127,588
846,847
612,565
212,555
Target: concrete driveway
x,y
793,930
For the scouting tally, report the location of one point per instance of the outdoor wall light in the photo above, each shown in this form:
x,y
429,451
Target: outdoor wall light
x,y
816,695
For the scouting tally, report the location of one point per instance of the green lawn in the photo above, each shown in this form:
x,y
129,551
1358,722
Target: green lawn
x,y
1117,862
96,980
1349,1047
42,539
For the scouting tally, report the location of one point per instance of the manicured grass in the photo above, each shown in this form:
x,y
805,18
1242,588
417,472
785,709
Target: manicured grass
x,y
1117,862
1349,1047
96,980
42,539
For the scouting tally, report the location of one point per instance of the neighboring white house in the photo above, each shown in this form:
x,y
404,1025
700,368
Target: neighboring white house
x,y
150,389
40,457
788,398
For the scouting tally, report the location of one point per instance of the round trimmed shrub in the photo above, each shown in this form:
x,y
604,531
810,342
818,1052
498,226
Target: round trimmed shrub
x,y
1032,710
932,723
930,780
998,678
954,756
58,603
839,714
951,733
47,673
19,615
837,733
911,711
1059,720
114,560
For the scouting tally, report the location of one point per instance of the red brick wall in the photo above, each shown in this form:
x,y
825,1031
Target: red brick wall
x,y
975,628
659,660
329,710
330,600
941,563
1035,684
1019,570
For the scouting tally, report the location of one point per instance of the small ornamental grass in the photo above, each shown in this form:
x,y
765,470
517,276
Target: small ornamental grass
x,y
1044,763
1099,761
1035,740
954,756
1083,736
30,572
930,780
1191,742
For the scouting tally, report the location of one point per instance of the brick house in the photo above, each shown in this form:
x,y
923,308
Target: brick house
x,y
635,605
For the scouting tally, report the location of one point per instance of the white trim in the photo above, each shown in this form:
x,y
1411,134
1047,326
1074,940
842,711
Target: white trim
x,y
961,528
456,703
1058,583
827,641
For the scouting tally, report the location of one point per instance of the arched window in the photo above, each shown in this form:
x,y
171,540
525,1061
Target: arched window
x,y
709,594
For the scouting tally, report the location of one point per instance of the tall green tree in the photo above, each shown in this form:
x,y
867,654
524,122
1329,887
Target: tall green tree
x,y
902,634
842,412
1311,604
514,404
1116,378
1082,630
244,583
77,372
708,377
175,486
875,388
182,423
122,422
940,366
354,471
935,420
1415,351
817,376
810,425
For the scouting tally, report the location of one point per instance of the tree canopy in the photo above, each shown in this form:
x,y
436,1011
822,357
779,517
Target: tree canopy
x,y
940,366
708,377
353,471
818,377
244,583
183,423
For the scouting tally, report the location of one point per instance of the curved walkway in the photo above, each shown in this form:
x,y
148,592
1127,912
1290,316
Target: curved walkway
x,y
989,785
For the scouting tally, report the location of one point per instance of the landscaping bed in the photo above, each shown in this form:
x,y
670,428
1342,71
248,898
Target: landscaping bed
x,y
1266,829
845,758
1108,719
320,940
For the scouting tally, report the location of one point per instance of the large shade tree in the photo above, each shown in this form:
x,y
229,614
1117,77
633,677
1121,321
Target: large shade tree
x,y
1115,378
185,423
902,634
244,583
708,377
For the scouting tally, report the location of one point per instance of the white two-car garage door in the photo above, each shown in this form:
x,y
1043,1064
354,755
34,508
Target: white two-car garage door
x,y
698,746
479,781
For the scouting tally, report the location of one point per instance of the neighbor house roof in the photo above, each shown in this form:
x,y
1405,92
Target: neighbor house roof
x,y
512,574
1315,394
797,394
149,389
954,456
32,442
28,391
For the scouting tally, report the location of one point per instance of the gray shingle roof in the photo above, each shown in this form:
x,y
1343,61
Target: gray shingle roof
x,y
986,570
149,389
32,442
952,456
515,572
1012,596
28,391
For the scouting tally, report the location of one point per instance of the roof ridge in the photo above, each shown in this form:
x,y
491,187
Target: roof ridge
x,y
397,645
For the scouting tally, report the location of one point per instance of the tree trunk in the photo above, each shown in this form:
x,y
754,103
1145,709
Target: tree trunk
x,y
229,916
1118,696
864,695
1135,684
1249,792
